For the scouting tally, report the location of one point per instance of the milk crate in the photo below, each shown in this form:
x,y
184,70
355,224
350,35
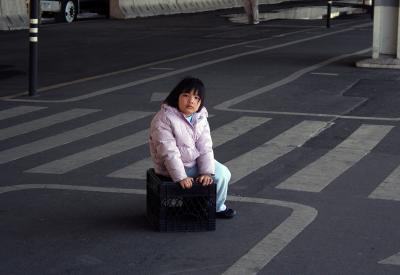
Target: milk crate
x,y
172,208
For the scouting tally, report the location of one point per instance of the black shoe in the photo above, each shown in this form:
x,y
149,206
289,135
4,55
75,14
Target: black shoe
x,y
226,214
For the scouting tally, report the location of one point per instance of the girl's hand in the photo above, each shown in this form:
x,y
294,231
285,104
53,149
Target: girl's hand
x,y
186,183
204,180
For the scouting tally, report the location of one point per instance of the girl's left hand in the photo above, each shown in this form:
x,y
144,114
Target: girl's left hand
x,y
204,180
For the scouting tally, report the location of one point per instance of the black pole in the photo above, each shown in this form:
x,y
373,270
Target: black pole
x,y
33,46
328,13
372,9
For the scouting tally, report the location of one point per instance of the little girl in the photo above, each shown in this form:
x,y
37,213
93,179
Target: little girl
x,y
181,146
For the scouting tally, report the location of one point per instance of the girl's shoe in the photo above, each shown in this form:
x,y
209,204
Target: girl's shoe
x,y
228,213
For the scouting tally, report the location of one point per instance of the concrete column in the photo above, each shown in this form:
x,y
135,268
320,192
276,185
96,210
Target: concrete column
x,y
13,15
386,36
124,9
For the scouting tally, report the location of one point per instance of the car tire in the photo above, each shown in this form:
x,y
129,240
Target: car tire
x,y
69,11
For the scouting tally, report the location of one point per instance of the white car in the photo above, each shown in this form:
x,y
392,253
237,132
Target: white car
x,y
67,10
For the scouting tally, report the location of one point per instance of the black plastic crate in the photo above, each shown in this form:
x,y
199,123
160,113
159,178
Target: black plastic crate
x,y
172,208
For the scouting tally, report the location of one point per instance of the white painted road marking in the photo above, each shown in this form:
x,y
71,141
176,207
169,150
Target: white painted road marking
x,y
198,66
392,260
273,243
70,136
56,86
257,257
41,123
296,136
161,69
227,105
220,136
389,189
91,155
319,174
17,111
158,96
327,74
136,170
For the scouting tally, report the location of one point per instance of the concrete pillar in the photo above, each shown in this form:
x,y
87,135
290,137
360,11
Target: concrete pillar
x,y
386,36
124,9
13,15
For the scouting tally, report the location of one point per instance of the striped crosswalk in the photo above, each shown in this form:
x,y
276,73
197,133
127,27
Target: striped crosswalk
x,y
271,150
390,187
91,155
18,111
69,136
316,176
311,177
41,123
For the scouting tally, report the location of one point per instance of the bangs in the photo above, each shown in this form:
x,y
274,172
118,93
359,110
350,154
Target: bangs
x,y
187,85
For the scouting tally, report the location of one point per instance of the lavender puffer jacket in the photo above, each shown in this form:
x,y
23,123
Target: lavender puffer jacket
x,y
176,144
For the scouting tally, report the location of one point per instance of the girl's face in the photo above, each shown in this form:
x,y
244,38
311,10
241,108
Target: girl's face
x,y
189,102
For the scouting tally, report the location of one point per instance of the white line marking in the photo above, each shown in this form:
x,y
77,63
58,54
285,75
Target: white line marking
x,y
47,88
327,74
392,260
243,97
91,155
236,128
226,106
220,136
251,262
158,97
319,174
70,136
162,69
282,144
273,243
254,47
136,170
333,116
389,189
41,123
190,68
18,111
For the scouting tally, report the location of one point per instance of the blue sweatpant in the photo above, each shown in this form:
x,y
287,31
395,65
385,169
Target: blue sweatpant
x,y
221,179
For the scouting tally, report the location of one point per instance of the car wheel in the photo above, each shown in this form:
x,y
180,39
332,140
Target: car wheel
x,y
68,12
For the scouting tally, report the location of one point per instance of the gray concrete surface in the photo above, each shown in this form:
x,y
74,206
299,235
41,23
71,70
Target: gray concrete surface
x,y
310,116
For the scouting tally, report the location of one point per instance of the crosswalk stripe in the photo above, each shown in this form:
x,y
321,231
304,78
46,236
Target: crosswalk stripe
x,y
392,260
70,136
319,174
236,128
136,170
389,189
17,111
296,136
158,96
41,123
220,136
91,155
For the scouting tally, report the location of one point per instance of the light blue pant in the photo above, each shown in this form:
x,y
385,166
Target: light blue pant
x,y
221,179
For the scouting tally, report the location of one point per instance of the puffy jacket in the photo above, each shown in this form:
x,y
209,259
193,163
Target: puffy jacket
x,y
175,143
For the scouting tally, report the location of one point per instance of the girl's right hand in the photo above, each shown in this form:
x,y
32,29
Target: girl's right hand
x,y
186,183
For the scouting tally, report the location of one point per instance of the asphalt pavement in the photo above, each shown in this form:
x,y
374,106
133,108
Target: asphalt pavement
x,y
311,141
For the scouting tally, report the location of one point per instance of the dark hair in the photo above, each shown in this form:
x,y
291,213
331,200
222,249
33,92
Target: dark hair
x,y
186,85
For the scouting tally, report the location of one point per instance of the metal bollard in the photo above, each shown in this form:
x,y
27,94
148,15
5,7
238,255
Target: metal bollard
x,y
328,13
33,46
372,9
